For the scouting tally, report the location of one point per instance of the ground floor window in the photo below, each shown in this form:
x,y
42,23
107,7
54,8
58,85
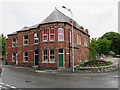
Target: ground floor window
x,y
79,56
45,55
52,55
25,56
13,56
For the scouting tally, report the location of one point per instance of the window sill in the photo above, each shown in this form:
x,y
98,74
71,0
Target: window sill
x,y
52,62
44,62
25,44
25,61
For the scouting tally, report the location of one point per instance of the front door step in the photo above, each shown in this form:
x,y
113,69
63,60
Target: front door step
x,y
35,66
61,68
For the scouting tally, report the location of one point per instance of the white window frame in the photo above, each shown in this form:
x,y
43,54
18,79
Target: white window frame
x,y
45,61
45,35
25,40
60,34
52,34
25,56
52,55
13,57
70,32
13,42
36,37
78,39
85,42
79,56
16,42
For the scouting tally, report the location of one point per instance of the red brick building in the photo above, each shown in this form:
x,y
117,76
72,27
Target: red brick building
x,y
48,44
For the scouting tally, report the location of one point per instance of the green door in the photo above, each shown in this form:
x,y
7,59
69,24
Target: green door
x,y
36,60
60,60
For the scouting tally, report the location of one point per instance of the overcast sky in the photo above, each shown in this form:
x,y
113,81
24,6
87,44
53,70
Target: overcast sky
x,y
98,16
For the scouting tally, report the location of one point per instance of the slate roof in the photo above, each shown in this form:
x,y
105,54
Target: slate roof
x,y
55,16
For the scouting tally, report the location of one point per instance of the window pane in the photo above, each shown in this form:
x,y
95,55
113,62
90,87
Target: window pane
x,y
61,37
51,37
52,31
60,50
45,37
45,32
25,37
26,53
60,30
36,35
13,40
26,59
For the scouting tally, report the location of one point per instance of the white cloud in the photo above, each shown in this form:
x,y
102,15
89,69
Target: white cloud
x,y
99,16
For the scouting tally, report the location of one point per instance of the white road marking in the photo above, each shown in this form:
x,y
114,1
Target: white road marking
x,y
6,85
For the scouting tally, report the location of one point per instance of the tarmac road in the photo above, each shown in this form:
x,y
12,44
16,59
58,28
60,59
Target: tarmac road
x,y
24,78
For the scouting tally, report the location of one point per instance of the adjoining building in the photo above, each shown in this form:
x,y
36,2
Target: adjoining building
x,y
48,44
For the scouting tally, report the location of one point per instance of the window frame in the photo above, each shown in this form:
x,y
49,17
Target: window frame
x,y
70,33
25,56
79,56
45,35
25,40
53,55
51,34
60,34
36,38
13,56
13,42
78,39
45,55
85,42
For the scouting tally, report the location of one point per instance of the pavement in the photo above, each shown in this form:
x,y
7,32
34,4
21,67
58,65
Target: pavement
x,y
66,71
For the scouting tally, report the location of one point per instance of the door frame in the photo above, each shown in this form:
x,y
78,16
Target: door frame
x,y
63,58
34,57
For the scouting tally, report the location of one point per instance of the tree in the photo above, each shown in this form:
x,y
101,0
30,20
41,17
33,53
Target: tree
x,y
2,44
103,46
93,49
115,41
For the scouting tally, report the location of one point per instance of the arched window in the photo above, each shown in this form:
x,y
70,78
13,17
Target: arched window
x,y
36,38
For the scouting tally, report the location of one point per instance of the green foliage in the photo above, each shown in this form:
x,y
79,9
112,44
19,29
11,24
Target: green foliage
x,y
95,63
115,41
103,46
2,44
92,48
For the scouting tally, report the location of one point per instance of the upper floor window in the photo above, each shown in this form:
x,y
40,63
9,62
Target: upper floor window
x,y
60,34
45,55
85,42
36,38
25,56
70,32
13,42
45,35
52,34
13,56
25,40
52,55
78,39
16,42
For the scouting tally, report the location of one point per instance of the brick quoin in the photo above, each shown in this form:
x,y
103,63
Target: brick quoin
x,y
81,52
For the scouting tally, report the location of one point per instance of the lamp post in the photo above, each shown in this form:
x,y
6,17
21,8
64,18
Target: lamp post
x,y
72,39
